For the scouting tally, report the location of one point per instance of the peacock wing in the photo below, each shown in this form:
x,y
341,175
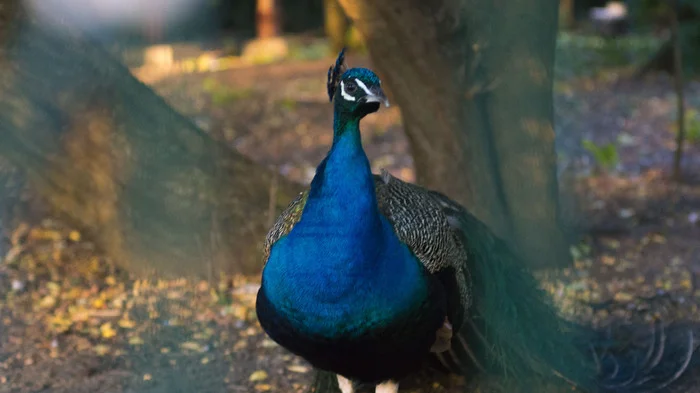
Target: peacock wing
x,y
422,223
284,223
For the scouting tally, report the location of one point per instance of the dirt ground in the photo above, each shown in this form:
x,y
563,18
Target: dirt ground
x,y
65,327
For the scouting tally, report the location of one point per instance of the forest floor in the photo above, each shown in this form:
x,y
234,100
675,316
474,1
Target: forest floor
x,y
70,323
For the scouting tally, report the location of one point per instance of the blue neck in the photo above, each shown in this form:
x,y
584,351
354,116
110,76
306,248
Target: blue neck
x,y
343,186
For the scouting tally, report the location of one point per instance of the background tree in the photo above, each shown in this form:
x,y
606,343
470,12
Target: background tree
x,y
336,25
267,19
566,14
476,104
661,14
678,86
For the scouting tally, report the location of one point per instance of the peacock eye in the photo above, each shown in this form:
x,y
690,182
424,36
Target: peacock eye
x,y
351,87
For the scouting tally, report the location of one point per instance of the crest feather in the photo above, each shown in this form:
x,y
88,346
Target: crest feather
x,y
334,73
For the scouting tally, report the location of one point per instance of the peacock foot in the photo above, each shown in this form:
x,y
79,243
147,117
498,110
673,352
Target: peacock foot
x,y
387,387
443,338
345,385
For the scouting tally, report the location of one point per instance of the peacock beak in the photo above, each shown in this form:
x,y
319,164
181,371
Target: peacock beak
x,y
376,95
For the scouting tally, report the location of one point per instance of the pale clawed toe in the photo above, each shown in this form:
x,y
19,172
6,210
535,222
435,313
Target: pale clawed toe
x,y
387,387
443,338
345,385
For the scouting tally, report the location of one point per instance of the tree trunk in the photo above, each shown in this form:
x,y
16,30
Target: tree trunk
x,y
267,19
474,81
566,14
688,18
678,86
336,25
108,154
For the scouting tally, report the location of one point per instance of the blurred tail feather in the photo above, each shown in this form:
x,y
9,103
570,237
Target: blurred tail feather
x,y
633,358
515,333
324,382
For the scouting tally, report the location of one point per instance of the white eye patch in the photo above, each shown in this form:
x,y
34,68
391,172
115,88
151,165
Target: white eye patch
x,y
345,95
363,86
349,97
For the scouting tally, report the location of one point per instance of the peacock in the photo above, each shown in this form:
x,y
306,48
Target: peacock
x,y
372,279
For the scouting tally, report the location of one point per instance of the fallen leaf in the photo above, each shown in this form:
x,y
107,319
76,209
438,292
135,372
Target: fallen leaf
x,y
686,283
107,331
267,343
47,301
60,323
191,345
126,323
658,239
14,252
258,375
74,236
623,297
101,349
298,369
80,314
240,344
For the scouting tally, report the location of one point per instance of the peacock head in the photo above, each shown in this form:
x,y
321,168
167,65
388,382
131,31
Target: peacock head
x,y
356,91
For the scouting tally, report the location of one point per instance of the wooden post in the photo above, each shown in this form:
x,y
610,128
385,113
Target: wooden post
x,y
267,19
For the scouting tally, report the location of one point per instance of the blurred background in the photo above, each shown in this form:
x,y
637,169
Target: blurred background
x,y
146,148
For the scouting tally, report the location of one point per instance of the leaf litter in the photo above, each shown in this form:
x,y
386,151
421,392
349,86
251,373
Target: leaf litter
x,y
68,301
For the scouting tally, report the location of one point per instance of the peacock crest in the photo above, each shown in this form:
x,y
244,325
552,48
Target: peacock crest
x,y
334,73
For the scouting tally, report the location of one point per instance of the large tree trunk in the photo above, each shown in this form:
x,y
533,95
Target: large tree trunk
x,y
102,150
336,25
473,79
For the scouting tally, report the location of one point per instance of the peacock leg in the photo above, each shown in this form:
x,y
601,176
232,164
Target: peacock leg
x,y
345,385
443,338
387,387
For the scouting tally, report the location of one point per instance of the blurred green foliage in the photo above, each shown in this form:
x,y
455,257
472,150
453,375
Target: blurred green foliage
x,y
584,55
223,95
288,104
315,50
605,156
692,126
